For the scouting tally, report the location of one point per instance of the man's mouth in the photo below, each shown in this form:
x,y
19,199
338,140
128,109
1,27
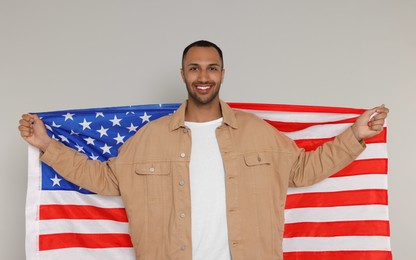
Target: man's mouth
x,y
203,88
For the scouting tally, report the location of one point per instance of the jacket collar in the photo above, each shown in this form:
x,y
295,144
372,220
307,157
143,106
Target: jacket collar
x,y
178,118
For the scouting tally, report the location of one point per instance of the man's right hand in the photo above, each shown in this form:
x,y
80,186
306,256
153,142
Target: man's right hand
x,y
33,131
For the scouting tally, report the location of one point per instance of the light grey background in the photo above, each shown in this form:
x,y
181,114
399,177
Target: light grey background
x,y
78,54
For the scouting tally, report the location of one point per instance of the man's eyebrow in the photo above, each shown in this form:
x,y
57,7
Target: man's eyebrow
x,y
210,65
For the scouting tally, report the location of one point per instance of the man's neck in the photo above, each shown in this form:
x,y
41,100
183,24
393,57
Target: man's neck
x,y
202,112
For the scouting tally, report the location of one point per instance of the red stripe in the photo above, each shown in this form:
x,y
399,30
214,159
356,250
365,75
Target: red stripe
x,y
67,240
339,198
296,108
339,228
297,126
368,166
339,255
48,212
312,144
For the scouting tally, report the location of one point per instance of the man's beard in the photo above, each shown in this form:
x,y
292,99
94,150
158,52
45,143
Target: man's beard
x,y
203,99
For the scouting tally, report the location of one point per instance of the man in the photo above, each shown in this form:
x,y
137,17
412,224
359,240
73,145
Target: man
x,y
207,182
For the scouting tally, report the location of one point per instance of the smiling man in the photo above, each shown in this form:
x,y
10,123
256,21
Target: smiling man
x,y
203,73
207,182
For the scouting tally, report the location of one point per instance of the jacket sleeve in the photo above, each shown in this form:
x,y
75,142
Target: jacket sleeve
x,y
311,167
93,175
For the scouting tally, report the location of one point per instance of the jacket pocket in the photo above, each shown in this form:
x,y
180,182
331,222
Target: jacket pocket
x,y
153,168
156,177
257,158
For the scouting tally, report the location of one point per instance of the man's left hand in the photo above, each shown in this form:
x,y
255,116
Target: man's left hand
x,y
370,123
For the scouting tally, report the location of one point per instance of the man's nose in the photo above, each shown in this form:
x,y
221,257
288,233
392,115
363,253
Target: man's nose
x,y
202,75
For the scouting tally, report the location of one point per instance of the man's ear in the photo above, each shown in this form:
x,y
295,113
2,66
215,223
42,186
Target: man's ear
x,y
222,76
182,74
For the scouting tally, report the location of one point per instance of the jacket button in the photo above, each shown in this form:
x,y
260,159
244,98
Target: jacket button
x,y
183,248
185,130
181,182
152,169
183,155
182,215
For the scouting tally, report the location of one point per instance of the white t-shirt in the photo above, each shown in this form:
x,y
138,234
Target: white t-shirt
x,y
208,204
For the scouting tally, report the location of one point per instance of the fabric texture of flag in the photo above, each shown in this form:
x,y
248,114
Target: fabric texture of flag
x,y
342,217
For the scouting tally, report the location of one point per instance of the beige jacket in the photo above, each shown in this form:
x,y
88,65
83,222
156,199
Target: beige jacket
x,y
151,173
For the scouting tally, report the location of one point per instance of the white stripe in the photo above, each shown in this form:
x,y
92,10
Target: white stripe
x,y
83,226
336,243
32,202
318,131
88,254
376,150
308,117
76,198
328,214
358,182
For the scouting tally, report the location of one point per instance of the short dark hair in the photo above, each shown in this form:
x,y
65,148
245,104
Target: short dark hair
x,y
203,43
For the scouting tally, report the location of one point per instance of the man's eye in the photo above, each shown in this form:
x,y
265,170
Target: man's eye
x,y
213,68
193,68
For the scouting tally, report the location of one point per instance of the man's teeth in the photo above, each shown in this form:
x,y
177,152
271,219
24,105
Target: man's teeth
x,y
202,87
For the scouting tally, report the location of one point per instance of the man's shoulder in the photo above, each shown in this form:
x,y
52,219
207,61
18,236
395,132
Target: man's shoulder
x,y
244,116
160,122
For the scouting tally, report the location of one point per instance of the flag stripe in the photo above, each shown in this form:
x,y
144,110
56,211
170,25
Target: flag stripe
x,y
76,198
312,144
339,255
372,151
82,226
297,126
116,253
365,166
340,228
253,107
340,198
349,183
337,243
82,212
340,213
65,240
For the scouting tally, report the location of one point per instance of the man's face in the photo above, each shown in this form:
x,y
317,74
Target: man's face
x,y
203,74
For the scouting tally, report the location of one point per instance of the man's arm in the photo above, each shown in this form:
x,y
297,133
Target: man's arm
x,y
74,166
312,167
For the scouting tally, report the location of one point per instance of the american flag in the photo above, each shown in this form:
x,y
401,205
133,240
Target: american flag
x,y
342,217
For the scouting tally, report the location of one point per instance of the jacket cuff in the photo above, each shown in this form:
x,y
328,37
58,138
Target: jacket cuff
x,y
350,141
52,152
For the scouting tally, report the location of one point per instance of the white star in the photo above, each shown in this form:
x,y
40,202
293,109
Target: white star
x,y
97,114
106,149
56,181
68,116
55,125
145,117
74,133
94,157
103,131
132,128
119,139
80,148
63,138
85,124
48,127
89,140
115,121
128,112
54,137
